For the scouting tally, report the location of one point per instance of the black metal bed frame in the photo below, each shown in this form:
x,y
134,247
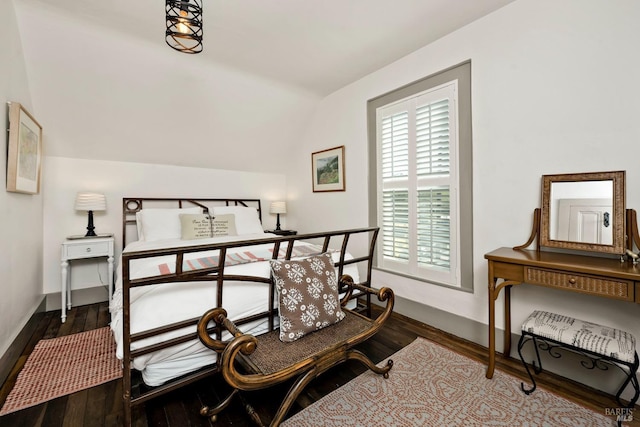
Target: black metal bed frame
x,y
133,395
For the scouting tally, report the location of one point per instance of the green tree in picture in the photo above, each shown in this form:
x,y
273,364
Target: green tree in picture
x,y
327,170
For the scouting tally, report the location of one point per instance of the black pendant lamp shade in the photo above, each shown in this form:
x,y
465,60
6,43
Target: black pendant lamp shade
x,y
184,25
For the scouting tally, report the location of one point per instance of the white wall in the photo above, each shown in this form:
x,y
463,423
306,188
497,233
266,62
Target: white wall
x,y
20,214
553,91
64,177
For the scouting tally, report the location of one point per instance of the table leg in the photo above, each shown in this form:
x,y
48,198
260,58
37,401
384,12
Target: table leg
x,y
110,277
492,324
494,291
63,284
69,289
507,321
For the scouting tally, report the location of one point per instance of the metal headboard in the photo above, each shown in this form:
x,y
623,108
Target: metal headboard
x,y
132,205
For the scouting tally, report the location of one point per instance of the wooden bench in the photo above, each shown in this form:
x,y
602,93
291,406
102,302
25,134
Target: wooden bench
x,y
602,345
250,362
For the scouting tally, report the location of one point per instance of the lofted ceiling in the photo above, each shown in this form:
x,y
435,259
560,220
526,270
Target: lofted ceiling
x,y
106,86
316,45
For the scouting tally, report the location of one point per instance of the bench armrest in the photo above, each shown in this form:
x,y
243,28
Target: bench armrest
x,y
383,294
219,316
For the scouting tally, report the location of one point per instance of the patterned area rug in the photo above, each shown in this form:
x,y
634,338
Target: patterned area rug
x,y
430,385
64,365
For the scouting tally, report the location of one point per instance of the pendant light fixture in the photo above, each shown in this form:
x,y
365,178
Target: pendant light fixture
x,y
184,25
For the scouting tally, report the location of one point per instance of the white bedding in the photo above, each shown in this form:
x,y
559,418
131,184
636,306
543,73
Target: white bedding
x,y
154,306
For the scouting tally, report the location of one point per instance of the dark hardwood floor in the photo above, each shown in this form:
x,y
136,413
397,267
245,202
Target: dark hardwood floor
x,y
102,405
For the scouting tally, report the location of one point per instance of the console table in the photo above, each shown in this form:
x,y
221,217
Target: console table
x,y
598,276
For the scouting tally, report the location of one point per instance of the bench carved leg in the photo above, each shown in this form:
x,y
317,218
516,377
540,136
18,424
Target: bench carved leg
x,y
357,355
301,383
212,413
293,393
250,411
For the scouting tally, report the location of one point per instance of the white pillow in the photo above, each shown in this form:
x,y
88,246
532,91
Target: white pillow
x,y
247,220
160,224
139,227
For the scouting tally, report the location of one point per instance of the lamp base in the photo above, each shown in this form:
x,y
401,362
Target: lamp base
x,y
277,222
90,227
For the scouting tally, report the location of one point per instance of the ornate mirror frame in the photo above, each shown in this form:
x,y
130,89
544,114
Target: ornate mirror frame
x,y
617,218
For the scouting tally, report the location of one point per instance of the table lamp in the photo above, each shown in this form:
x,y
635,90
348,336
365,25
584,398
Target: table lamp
x,y
91,202
278,208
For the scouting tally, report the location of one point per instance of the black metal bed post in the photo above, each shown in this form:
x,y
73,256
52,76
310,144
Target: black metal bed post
x,y
372,252
126,335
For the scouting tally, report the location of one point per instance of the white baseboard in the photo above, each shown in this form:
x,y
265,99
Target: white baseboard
x,y
78,297
11,355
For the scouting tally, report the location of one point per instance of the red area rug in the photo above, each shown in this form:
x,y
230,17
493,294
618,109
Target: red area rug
x,y
430,385
64,365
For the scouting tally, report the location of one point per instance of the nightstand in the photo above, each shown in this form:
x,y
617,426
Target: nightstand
x,y
282,232
83,248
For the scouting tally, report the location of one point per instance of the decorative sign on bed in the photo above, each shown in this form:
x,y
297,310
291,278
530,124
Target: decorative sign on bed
x,y
223,225
203,226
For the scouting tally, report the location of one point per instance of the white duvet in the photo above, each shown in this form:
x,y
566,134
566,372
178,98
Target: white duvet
x,y
158,305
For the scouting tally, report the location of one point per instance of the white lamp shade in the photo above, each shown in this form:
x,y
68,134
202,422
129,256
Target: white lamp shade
x,y
91,202
278,207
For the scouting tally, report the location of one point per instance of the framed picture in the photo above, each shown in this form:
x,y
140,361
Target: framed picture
x,y
24,154
327,167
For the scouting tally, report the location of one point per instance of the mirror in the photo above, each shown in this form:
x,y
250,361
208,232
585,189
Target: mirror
x,y
584,212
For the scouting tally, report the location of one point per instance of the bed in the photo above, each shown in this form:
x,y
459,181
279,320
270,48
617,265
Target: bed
x,y
183,257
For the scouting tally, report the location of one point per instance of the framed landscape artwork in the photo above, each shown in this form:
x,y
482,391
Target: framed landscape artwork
x,y
24,154
327,167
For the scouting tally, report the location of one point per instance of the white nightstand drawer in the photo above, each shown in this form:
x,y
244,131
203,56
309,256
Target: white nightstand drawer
x,y
87,250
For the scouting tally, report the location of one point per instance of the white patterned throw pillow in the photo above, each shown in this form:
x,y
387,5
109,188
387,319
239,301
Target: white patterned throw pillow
x,y
307,294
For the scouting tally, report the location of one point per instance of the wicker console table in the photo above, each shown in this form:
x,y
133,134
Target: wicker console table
x,y
603,277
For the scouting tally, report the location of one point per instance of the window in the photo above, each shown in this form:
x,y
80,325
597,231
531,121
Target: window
x,y
420,140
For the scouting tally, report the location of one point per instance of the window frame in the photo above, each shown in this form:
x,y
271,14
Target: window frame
x,y
461,73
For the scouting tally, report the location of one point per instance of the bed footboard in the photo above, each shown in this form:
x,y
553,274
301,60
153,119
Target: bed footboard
x,y
352,250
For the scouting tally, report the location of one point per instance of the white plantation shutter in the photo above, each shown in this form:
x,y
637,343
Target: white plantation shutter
x,y
432,138
433,232
395,224
395,145
418,183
